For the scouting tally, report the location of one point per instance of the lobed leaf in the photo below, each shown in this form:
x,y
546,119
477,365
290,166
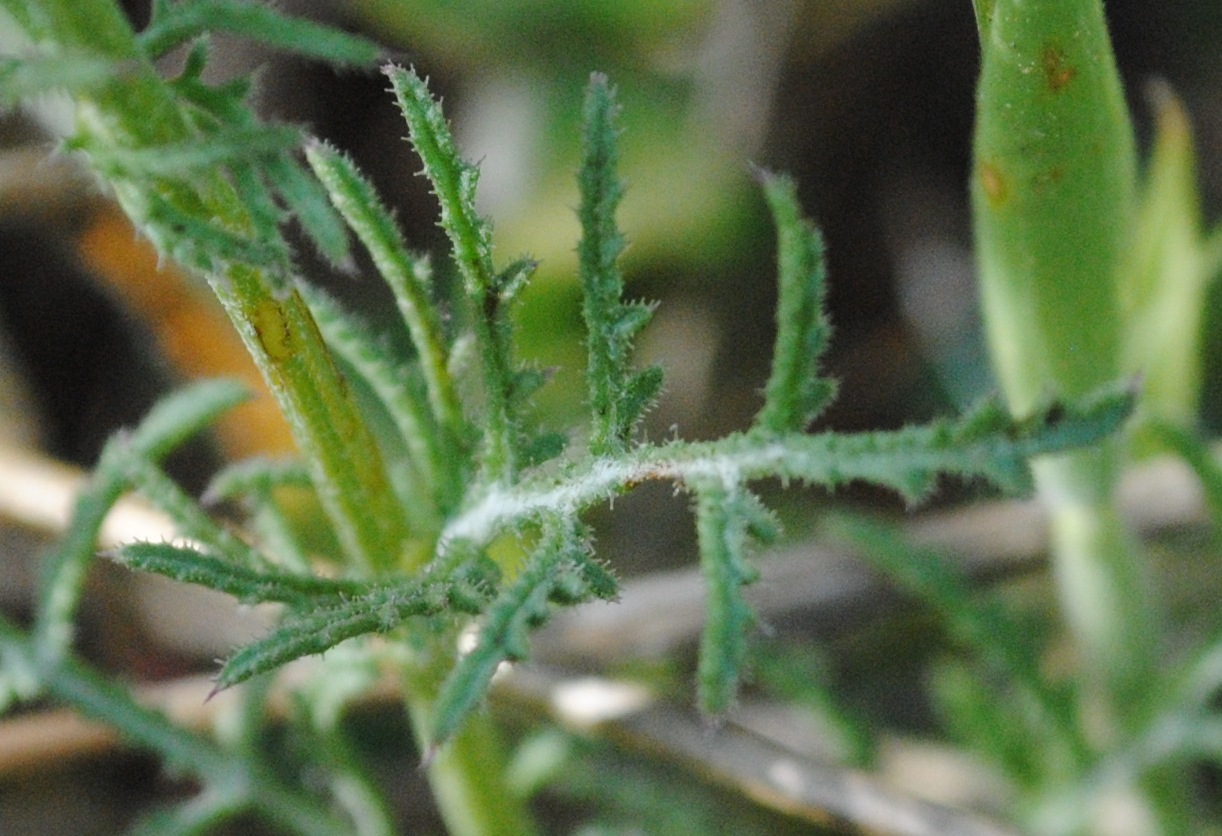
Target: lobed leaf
x,y
795,393
377,609
618,398
986,444
454,181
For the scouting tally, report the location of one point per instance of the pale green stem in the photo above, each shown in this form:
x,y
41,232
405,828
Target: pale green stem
x,y
1101,579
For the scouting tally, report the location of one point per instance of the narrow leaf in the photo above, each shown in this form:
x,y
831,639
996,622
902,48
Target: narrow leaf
x,y
25,78
172,421
183,414
249,586
408,276
378,609
256,476
617,398
721,528
454,181
560,558
795,394
175,23
188,516
196,155
308,201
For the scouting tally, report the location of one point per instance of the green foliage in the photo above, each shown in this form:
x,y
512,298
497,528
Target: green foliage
x,y
1054,151
1123,294
618,396
212,187
175,22
795,394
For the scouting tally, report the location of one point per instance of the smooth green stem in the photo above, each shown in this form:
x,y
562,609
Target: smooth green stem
x,y
345,462
1101,577
1053,197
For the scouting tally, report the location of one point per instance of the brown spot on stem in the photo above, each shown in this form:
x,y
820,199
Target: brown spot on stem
x,y
1057,71
1048,177
273,330
996,188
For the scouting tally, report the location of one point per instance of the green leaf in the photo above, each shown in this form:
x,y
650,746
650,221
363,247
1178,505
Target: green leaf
x,y
618,398
259,476
725,515
408,276
172,421
795,394
249,586
176,23
987,444
377,609
183,414
307,200
30,76
1164,287
560,568
198,154
984,18
454,181
189,518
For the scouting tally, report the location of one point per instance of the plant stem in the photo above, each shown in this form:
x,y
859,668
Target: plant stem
x,y
1054,151
1101,578
467,774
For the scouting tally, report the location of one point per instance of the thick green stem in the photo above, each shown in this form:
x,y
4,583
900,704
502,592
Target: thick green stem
x,y
1053,192
1101,579
1054,204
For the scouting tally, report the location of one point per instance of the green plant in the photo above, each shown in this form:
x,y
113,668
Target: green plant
x,y
1085,275
467,514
